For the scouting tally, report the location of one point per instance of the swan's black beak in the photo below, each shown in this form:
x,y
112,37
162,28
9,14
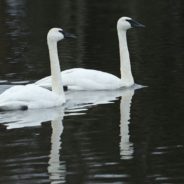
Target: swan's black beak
x,y
134,23
68,35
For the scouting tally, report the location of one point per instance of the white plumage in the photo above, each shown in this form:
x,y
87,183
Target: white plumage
x,y
75,79
32,96
29,97
88,79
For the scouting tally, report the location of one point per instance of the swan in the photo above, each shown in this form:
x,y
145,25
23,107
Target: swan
x,y
31,96
88,79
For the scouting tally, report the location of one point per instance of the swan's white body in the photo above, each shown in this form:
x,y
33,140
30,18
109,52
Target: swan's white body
x,y
87,79
32,96
75,79
29,97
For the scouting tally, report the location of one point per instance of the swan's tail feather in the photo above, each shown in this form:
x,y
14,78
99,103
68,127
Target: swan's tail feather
x,y
13,106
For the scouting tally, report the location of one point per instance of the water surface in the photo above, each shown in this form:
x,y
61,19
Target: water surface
x,y
129,136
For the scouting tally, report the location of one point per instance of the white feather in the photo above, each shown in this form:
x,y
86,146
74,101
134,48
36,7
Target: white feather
x,y
32,96
85,79
88,79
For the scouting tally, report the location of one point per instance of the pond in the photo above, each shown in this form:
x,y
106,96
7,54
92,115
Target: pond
x,y
123,136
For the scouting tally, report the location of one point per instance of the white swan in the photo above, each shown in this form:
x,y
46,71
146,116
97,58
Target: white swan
x,y
32,96
87,79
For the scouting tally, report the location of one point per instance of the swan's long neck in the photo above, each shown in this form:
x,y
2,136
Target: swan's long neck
x,y
55,69
125,66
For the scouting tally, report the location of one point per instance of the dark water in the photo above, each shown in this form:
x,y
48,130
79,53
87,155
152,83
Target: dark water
x,y
138,137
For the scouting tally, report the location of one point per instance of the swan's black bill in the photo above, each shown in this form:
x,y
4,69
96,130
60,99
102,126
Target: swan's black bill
x,y
134,23
68,35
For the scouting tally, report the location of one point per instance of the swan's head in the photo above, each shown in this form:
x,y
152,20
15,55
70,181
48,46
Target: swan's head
x,y
57,34
125,23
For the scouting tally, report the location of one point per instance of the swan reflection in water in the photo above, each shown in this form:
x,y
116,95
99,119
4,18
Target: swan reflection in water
x,y
126,147
77,103
80,100
56,168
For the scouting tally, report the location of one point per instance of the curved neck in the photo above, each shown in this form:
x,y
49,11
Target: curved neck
x,y
125,67
55,68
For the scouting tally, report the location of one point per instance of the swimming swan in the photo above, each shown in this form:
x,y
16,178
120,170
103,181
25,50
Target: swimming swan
x,y
88,79
32,96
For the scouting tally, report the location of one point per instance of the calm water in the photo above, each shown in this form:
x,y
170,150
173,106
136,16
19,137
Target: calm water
x,y
129,136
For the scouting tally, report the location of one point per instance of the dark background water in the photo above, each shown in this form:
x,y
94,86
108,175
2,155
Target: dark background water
x,y
93,147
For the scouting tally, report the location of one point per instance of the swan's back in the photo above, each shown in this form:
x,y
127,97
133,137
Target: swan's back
x,y
89,79
85,79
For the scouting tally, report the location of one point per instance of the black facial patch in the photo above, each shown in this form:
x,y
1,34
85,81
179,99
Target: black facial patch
x,y
67,35
134,23
61,31
24,107
65,88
